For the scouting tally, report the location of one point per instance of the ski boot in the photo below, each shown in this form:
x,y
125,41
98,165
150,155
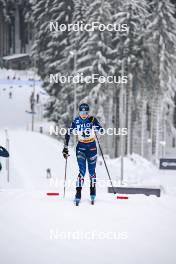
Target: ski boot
x,y
78,196
92,199
92,195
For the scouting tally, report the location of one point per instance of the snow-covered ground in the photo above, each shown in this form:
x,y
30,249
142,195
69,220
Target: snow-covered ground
x,y
36,228
13,112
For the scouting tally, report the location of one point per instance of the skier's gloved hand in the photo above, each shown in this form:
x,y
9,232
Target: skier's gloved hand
x,y
65,152
91,119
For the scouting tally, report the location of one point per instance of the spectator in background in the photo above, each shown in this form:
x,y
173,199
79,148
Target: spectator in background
x,y
32,101
10,95
37,98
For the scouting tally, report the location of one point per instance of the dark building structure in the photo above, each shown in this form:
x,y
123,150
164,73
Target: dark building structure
x,y
15,30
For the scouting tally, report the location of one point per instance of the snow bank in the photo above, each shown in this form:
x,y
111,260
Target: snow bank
x,y
137,170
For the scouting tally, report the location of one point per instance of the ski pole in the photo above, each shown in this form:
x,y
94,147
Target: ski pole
x,y
105,164
65,177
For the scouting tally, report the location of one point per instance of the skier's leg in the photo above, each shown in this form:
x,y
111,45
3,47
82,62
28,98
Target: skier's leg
x,y
93,185
92,159
81,159
79,184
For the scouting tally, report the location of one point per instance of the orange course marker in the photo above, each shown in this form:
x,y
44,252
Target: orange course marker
x,y
122,197
52,194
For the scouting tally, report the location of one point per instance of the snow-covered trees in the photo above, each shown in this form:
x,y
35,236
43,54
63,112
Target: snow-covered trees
x,y
162,38
147,50
70,63
131,46
49,47
91,49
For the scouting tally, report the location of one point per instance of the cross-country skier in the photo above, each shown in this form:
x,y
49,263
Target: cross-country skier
x,y
3,153
84,126
10,95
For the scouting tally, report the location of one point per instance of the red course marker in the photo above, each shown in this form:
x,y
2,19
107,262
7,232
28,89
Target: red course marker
x,y
122,197
53,194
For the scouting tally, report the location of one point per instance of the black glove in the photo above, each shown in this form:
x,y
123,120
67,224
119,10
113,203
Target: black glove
x,y
91,119
65,152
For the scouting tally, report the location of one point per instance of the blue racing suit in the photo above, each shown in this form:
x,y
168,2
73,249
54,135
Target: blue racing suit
x,y
86,149
3,153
